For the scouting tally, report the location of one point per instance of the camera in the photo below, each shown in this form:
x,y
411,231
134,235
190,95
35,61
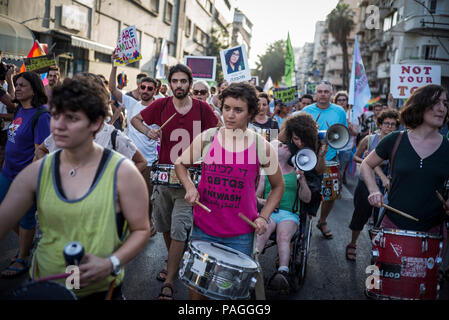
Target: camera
x,y
4,69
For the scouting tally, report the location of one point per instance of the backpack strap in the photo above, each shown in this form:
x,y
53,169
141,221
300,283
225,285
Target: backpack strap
x,y
114,139
393,152
36,116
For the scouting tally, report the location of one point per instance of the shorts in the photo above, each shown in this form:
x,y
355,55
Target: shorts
x,y
28,221
242,243
171,212
284,215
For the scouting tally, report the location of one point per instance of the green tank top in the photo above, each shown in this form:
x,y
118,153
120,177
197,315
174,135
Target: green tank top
x,y
291,188
62,221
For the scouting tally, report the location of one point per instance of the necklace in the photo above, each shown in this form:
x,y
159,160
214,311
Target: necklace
x,y
72,172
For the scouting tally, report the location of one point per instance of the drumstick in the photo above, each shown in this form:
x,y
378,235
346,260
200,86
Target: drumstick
x,y
399,212
203,206
243,217
165,123
442,200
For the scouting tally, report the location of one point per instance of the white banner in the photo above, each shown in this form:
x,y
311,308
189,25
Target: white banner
x,y
406,78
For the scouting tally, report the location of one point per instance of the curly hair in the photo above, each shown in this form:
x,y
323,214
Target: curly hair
x,y
82,93
303,125
39,97
389,113
422,99
244,91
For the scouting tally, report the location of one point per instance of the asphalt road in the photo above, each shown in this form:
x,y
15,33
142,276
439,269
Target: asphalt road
x,y
329,275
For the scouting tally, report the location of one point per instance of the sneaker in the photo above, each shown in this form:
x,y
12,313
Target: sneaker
x,y
279,282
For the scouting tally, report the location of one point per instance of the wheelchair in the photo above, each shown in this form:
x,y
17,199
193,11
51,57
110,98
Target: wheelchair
x,y
300,244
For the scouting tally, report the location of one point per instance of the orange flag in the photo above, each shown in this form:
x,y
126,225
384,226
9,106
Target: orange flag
x,y
36,51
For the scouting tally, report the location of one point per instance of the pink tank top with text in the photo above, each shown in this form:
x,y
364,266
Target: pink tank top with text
x,y
227,187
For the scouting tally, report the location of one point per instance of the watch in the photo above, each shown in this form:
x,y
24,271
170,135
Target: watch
x,y
116,266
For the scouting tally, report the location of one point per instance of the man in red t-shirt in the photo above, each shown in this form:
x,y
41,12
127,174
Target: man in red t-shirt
x,y
172,214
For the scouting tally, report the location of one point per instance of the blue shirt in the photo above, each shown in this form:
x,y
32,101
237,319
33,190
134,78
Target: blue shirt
x,y
332,115
19,149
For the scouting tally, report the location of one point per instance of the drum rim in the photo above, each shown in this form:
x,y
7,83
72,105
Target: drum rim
x,y
224,263
409,233
214,296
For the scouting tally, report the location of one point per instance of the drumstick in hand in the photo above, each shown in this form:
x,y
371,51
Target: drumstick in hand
x,y
243,217
165,123
442,200
399,212
203,206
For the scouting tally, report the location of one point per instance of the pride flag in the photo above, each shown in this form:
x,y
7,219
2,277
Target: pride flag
x,y
36,51
373,100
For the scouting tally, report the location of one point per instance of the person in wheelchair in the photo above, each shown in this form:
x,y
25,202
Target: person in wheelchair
x,y
298,131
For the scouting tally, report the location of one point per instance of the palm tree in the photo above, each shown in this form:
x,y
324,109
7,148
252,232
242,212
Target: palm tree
x,y
340,23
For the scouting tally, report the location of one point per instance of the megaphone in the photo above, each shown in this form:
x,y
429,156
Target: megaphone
x,y
337,136
305,159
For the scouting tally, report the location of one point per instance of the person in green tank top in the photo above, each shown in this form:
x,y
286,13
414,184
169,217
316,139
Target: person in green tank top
x,y
84,193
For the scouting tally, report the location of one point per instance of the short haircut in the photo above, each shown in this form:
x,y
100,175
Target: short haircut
x,y
84,93
326,83
140,76
39,97
307,96
180,68
54,68
389,113
244,91
149,79
204,83
259,88
422,99
263,95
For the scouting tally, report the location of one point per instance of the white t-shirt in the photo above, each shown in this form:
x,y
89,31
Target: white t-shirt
x,y
146,146
123,144
4,110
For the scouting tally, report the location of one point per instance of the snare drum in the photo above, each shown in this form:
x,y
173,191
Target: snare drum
x,y
45,290
408,263
217,271
331,186
164,174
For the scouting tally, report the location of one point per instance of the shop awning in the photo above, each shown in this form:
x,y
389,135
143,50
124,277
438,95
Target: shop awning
x,y
16,40
89,44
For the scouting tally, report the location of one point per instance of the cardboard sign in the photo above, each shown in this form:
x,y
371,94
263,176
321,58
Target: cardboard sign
x,y
286,96
203,68
406,78
127,47
40,64
254,80
234,62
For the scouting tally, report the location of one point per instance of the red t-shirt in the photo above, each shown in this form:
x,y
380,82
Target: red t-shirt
x,y
179,133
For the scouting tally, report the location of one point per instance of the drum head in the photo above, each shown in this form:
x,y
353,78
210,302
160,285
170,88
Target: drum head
x,y
45,290
224,254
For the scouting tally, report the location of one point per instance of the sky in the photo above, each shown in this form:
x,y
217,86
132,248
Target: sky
x,y
273,19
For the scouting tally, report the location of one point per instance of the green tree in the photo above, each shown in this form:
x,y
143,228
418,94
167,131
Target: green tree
x,y
219,40
340,24
272,62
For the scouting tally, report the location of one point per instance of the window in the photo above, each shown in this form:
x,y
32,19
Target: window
x,y
101,57
200,37
154,5
430,52
432,6
188,27
168,17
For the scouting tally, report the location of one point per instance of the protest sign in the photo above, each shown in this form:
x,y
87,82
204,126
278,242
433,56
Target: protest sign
x,y
40,64
127,47
311,87
406,78
286,96
234,62
203,68
254,80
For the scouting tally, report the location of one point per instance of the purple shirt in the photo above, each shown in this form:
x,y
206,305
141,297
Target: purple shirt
x,y
19,149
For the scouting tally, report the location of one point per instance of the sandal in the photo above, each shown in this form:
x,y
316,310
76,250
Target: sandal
x,y
164,272
351,252
328,233
163,296
18,271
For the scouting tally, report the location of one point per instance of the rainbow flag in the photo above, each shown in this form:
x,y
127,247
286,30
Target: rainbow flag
x,y
36,51
373,100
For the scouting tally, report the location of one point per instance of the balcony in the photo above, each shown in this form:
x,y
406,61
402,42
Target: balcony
x,y
383,70
425,22
444,63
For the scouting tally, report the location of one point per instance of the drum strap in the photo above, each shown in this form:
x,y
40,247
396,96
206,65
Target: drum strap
x,y
393,153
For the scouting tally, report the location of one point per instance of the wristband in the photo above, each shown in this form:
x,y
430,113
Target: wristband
x,y
266,220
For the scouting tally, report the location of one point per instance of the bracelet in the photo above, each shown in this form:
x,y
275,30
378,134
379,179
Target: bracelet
x,y
266,220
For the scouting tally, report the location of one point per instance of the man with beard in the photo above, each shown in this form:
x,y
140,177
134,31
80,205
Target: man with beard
x,y
172,214
147,88
54,79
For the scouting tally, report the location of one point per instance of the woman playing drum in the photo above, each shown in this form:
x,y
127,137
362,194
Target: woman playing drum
x,y
421,164
229,175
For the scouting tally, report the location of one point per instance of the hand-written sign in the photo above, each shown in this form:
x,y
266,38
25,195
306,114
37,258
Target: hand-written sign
x,y
127,47
286,96
406,78
40,64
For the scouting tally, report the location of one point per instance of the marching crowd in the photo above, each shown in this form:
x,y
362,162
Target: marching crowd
x,y
79,157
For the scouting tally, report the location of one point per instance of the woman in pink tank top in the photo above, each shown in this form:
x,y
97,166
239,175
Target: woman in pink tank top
x,y
232,157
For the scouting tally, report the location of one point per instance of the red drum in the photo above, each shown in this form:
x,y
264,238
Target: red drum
x,y
408,263
330,187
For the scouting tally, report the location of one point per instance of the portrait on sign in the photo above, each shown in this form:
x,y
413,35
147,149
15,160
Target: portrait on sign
x,y
234,63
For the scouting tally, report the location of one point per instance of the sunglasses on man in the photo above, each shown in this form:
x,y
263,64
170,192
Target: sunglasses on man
x,y
144,87
199,92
